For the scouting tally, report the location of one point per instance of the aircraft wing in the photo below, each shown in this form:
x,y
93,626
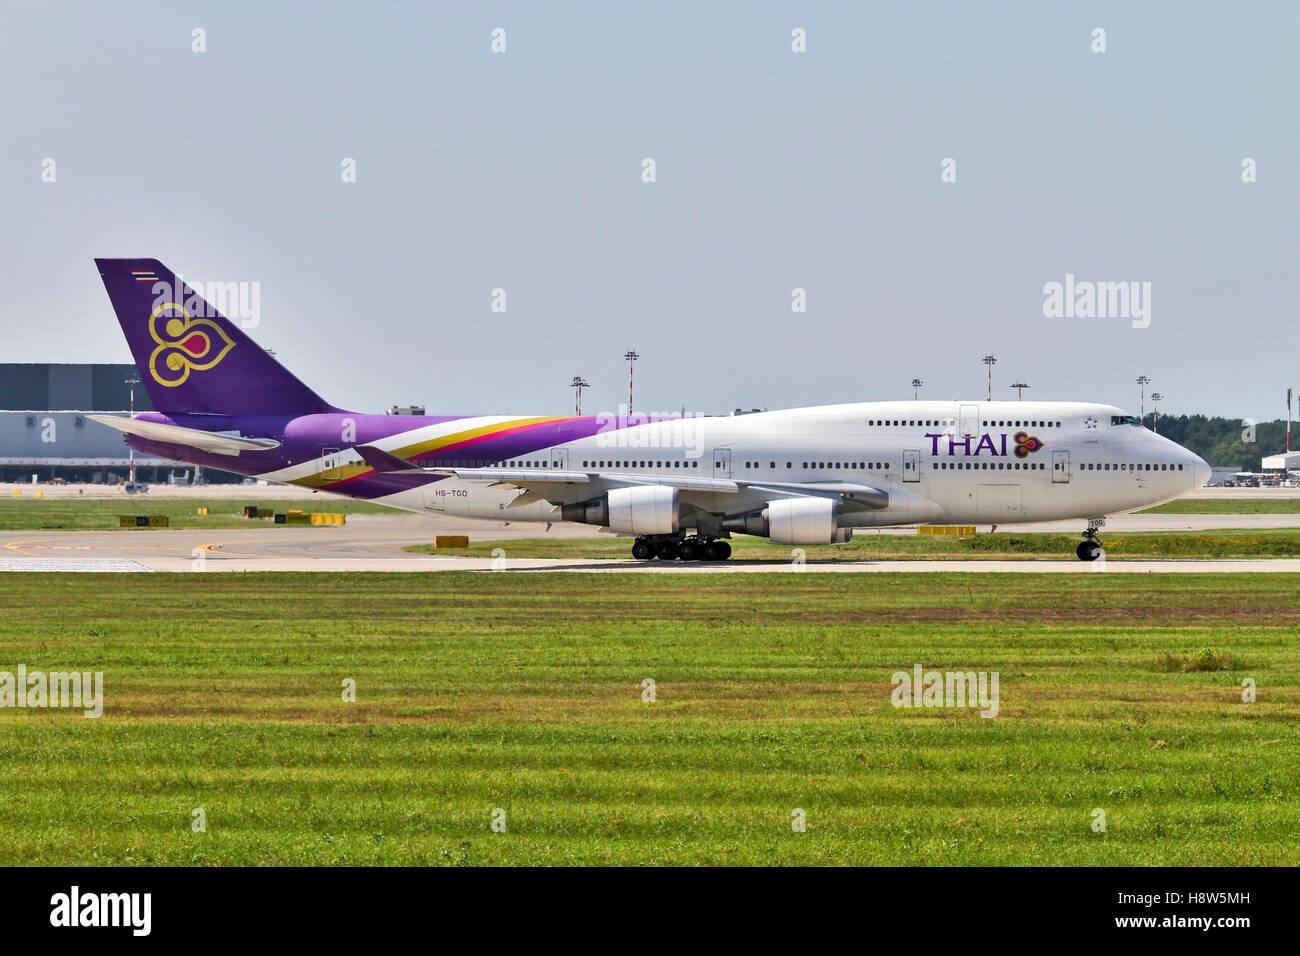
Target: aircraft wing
x,y
215,443
538,482
867,496
382,461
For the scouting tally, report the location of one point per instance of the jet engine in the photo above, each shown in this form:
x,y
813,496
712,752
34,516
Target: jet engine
x,y
794,521
651,509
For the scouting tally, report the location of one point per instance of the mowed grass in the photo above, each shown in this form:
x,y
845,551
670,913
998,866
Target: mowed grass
x,y
27,513
872,546
1227,506
523,693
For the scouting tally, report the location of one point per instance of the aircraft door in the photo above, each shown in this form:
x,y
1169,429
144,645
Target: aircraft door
x,y
970,420
331,464
722,463
560,459
1061,467
911,465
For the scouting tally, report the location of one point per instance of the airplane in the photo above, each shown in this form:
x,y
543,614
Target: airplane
x,y
680,487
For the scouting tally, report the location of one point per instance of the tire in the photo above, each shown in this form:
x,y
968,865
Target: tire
x,y
641,551
724,550
713,551
689,550
1088,550
666,551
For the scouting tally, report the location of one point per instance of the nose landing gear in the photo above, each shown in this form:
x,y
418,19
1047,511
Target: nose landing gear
x,y
1089,548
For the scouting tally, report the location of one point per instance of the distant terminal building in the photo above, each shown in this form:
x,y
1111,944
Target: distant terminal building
x,y
44,430
1287,461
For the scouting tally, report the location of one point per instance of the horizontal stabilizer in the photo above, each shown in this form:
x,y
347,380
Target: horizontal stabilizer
x,y
214,443
384,463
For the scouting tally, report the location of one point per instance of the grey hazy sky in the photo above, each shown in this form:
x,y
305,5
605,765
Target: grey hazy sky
x,y
775,170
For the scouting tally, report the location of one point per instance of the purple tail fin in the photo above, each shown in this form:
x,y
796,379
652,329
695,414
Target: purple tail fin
x,y
191,357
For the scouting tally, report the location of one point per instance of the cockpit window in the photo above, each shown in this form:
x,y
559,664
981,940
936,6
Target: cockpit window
x,y
1124,420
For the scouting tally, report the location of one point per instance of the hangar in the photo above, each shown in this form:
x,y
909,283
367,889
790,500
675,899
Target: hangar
x,y
45,431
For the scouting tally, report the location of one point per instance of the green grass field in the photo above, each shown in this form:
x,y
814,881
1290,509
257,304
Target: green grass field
x,y
27,513
870,546
523,692
1227,506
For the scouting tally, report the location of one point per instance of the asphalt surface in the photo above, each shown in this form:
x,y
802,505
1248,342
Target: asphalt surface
x,y
377,543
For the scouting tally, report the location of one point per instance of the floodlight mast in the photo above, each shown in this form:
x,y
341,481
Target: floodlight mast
x,y
631,357
578,384
1143,382
131,383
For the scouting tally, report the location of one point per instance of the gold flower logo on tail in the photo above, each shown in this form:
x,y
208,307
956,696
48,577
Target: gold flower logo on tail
x,y
184,344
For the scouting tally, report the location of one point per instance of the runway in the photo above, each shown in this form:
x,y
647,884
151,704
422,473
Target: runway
x,y
376,543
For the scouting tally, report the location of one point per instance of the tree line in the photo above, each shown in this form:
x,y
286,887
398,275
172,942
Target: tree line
x,y
1224,442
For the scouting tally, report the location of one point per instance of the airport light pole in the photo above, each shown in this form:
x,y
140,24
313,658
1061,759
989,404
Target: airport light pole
x,y
990,361
916,388
131,383
1156,399
631,357
1288,419
578,384
1019,387
1143,382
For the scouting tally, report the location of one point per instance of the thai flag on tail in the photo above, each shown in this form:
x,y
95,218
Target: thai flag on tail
x,y
143,275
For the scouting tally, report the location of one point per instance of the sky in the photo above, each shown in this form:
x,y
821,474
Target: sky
x,y
774,170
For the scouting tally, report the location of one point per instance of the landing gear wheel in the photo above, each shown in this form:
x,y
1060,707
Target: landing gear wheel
x,y
689,550
1089,550
717,551
642,551
666,551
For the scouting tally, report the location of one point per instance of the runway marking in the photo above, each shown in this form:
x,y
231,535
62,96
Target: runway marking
x,y
80,566
217,547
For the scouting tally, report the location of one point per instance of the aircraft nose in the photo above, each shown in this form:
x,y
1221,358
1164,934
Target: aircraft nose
x,y
1201,471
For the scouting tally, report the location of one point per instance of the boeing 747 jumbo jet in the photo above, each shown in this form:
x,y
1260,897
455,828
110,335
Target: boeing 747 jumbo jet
x,y
679,486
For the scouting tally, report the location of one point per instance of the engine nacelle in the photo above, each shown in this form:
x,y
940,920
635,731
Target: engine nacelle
x,y
651,509
802,520
648,510
794,521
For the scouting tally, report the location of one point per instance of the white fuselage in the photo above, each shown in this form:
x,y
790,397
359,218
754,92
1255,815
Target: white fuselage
x,y
940,462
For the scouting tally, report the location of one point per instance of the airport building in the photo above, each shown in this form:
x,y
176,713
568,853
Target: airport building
x,y
45,429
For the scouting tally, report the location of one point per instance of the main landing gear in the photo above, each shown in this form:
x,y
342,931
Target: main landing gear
x,y
1089,548
669,548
